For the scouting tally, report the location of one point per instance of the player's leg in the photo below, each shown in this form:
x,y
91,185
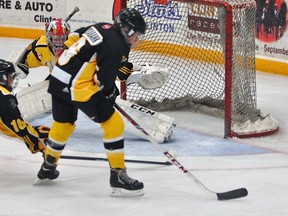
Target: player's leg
x,y
64,114
113,127
114,144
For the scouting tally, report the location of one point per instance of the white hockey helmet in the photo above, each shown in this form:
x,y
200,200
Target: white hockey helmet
x,y
57,32
8,76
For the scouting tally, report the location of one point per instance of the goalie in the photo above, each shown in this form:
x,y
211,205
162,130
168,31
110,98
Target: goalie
x,y
11,122
43,51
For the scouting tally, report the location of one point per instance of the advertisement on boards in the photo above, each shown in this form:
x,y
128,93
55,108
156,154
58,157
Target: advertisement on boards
x,y
270,30
162,17
271,26
32,13
191,24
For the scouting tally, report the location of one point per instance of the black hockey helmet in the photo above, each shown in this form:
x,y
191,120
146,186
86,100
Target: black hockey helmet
x,y
7,70
130,21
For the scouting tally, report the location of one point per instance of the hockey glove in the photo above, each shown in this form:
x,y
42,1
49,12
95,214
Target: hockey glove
x,y
149,76
104,108
22,70
112,94
36,147
125,70
43,131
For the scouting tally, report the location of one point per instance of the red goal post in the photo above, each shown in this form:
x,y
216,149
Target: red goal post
x,y
209,48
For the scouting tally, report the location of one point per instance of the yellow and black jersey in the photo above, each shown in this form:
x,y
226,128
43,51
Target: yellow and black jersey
x,y
38,54
100,50
13,125
74,36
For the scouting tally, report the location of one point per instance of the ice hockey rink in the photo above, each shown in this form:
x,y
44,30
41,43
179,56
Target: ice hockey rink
x,y
258,164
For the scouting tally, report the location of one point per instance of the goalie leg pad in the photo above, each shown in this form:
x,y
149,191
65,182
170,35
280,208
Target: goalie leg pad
x,y
157,125
34,101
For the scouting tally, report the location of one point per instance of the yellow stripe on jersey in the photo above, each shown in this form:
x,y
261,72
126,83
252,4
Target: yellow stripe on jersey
x,y
31,129
125,70
29,143
4,90
5,130
83,85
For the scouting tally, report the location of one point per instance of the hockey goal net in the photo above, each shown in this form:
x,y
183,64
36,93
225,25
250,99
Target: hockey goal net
x,y
209,48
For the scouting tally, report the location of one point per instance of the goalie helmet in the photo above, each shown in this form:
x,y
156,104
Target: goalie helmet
x,y
57,32
8,76
130,21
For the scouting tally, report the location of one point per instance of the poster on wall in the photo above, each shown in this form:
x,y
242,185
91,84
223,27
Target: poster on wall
x,y
271,26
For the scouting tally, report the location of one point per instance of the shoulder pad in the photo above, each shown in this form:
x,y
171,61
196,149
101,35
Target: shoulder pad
x,y
93,36
41,41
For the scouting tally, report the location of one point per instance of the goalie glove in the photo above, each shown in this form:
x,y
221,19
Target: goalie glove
x,y
43,131
18,58
22,70
149,76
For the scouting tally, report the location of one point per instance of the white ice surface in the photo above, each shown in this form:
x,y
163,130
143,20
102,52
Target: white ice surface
x,y
258,164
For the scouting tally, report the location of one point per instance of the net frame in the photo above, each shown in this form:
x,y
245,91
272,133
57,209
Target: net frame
x,y
256,126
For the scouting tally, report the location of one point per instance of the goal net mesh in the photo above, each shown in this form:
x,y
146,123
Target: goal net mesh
x,y
211,59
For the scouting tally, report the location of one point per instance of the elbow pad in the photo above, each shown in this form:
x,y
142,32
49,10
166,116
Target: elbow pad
x,y
125,70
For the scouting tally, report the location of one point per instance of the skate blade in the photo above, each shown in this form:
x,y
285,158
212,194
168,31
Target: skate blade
x,y
42,181
120,192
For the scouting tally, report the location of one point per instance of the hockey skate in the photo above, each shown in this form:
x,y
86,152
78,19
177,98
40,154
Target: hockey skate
x,y
124,186
46,174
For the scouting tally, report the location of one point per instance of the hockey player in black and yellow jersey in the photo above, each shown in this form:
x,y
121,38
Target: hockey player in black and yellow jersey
x,y
45,50
11,122
84,78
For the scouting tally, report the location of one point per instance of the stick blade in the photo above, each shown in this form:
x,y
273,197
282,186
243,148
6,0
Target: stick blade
x,y
234,194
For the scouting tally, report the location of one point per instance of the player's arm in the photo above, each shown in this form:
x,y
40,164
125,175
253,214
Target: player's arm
x,y
39,53
75,36
23,59
72,38
125,70
11,118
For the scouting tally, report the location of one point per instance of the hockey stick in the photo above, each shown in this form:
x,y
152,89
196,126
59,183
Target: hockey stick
x,y
105,159
76,9
233,194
